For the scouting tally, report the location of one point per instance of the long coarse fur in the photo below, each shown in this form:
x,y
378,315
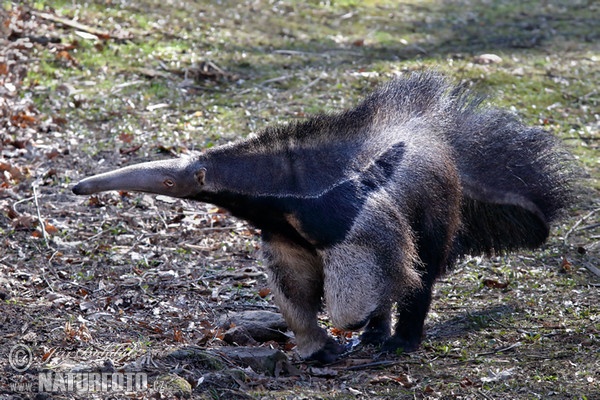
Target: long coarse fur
x,y
367,208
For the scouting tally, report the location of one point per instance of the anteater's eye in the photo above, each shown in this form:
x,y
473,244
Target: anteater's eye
x,y
169,183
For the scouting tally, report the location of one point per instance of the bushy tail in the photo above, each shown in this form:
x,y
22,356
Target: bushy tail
x,y
516,179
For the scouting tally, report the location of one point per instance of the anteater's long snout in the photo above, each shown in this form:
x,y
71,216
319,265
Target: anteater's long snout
x,y
176,178
132,178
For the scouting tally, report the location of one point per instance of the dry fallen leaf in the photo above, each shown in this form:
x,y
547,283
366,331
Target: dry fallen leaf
x,y
178,335
52,153
341,333
94,201
466,382
403,379
566,265
13,171
126,137
51,229
131,149
82,333
494,284
47,355
23,120
66,58
24,221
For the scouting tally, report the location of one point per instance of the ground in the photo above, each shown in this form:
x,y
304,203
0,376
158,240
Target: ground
x,y
124,282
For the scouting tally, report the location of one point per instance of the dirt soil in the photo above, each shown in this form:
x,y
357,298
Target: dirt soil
x,y
133,283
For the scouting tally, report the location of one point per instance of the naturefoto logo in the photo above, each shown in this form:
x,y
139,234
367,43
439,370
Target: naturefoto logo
x,y
21,359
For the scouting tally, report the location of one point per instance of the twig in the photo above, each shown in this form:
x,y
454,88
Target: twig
x,y
325,53
592,269
484,395
277,79
500,350
305,88
46,279
220,229
264,83
73,24
298,53
579,222
117,88
37,208
14,206
97,235
164,221
511,327
376,364
79,26
592,226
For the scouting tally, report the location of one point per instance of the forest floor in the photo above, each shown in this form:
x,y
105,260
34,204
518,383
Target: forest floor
x,y
126,283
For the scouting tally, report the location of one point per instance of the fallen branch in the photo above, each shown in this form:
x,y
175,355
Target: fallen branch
x,y
41,221
500,350
592,269
101,34
579,222
374,364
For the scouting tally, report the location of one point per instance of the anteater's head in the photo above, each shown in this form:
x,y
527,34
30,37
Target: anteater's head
x,y
183,177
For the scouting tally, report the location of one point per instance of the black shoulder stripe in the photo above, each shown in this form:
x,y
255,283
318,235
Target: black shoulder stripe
x,y
326,220
381,171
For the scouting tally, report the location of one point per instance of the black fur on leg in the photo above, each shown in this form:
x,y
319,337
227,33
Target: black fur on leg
x,y
397,344
377,330
408,331
329,353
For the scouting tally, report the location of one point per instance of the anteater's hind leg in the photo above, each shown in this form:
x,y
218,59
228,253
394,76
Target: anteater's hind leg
x,y
296,278
378,329
413,308
412,311
435,236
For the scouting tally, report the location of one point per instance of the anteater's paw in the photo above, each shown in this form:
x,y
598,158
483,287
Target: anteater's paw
x,y
374,337
398,345
329,353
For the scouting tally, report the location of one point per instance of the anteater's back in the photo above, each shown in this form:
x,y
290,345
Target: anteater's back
x,y
514,178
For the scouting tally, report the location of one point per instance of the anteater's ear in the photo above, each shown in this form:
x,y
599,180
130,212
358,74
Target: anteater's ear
x,y
200,175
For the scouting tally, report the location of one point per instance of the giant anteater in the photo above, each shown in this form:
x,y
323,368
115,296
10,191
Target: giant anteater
x,y
364,209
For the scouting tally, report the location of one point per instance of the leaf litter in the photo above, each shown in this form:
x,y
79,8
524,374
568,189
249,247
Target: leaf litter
x,y
123,281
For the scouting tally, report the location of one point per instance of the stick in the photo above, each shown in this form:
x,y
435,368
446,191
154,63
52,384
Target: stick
x,y
305,88
579,222
501,350
592,269
375,364
278,79
74,24
37,208
79,26
14,206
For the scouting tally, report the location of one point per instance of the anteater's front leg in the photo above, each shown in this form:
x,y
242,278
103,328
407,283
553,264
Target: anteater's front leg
x,y
296,279
370,269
